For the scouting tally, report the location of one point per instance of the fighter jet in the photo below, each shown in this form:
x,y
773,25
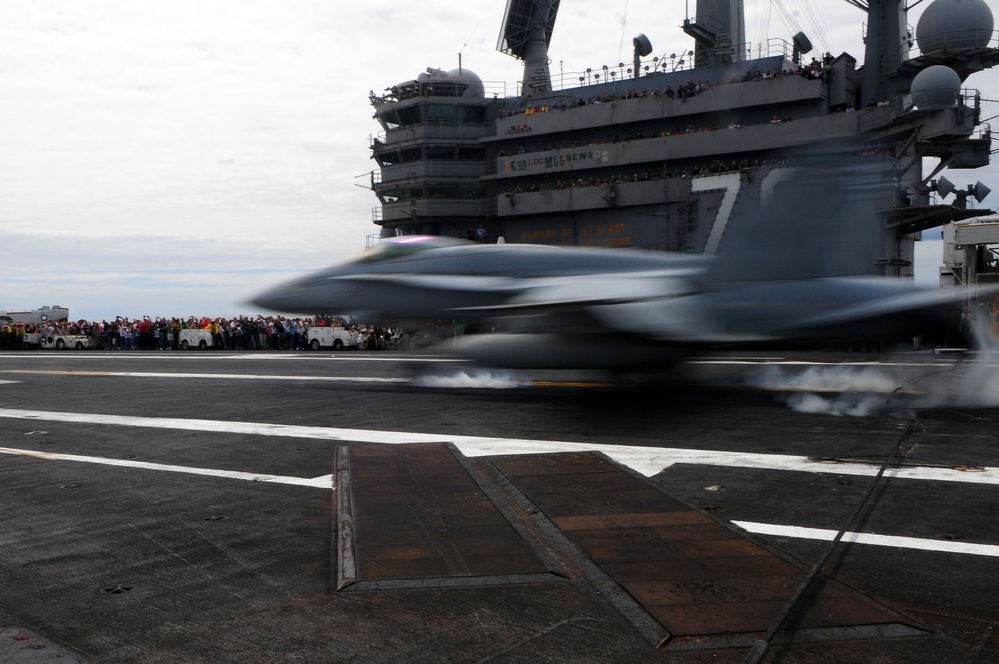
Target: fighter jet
x,y
776,279
575,307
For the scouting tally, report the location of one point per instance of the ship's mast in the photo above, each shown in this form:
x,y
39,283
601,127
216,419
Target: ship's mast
x,y
719,30
526,34
887,44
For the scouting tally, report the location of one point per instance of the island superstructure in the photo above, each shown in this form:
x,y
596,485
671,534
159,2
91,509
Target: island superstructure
x,y
669,152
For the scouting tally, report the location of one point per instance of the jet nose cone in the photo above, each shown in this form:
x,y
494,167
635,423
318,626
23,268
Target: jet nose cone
x,y
278,298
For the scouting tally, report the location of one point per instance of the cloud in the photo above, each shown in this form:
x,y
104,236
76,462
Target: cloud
x,y
136,275
236,131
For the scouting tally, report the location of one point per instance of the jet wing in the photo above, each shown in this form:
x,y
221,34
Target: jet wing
x,y
545,291
690,319
910,303
587,290
660,305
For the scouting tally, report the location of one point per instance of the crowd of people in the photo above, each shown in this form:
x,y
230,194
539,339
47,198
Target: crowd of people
x,y
240,333
667,172
815,70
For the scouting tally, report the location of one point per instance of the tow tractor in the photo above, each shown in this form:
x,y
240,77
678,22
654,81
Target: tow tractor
x,y
63,341
195,338
336,338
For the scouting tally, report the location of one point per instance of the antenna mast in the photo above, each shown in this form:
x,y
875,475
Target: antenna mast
x,y
526,34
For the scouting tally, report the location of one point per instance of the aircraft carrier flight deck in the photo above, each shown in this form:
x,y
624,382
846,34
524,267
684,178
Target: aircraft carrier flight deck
x,y
395,506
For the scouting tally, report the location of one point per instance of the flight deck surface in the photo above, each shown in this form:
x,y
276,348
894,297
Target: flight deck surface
x,y
353,506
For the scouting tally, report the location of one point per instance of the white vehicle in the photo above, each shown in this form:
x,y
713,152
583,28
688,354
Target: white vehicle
x,y
196,339
61,341
336,338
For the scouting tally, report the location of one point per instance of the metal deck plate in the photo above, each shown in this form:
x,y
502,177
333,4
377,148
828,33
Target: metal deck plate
x,y
421,516
708,585
418,519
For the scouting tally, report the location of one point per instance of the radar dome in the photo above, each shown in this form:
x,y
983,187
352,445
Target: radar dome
x,y
475,88
455,83
950,25
935,87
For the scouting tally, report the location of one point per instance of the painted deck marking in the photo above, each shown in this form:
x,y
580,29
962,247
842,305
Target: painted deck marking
x,y
350,356
394,356
146,374
326,482
646,460
942,546
322,482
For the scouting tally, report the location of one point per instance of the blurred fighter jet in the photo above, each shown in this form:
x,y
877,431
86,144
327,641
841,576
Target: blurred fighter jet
x,y
777,278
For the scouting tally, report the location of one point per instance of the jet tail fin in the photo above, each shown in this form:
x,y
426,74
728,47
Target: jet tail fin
x,y
818,217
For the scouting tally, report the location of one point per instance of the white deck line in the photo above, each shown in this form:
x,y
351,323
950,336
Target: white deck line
x,y
170,356
922,544
148,374
648,461
322,482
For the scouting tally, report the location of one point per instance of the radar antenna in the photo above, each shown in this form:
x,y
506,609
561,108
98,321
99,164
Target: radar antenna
x,y
526,34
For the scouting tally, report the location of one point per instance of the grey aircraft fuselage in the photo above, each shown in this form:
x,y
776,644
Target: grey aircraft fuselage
x,y
577,307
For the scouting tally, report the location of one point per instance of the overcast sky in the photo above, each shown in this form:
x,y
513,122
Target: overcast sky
x,y
174,158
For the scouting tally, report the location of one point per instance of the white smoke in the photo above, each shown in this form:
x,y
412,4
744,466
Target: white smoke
x,y
834,390
975,385
477,380
969,382
854,405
